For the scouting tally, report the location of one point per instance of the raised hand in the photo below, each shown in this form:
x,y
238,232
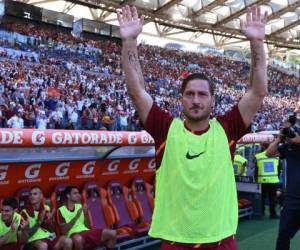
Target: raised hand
x,y
24,224
254,27
50,215
130,24
14,225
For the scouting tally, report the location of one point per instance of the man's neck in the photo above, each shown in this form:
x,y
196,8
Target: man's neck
x,y
70,205
8,223
197,125
36,206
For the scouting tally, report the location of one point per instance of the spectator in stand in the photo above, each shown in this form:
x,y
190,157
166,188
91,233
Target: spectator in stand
x,y
55,68
16,121
2,117
41,120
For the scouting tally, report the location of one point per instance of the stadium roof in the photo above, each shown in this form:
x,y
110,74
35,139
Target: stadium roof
x,y
214,22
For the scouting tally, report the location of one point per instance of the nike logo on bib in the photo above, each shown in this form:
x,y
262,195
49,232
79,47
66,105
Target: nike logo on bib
x,y
190,157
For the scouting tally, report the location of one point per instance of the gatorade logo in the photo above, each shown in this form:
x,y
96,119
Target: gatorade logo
x,y
152,164
134,164
113,166
150,167
33,171
62,169
38,138
88,168
3,172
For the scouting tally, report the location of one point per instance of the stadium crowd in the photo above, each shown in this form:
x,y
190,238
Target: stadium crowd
x,y
57,81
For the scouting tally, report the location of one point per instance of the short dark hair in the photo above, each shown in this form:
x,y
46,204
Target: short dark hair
x,y
68,190
199,76
10,201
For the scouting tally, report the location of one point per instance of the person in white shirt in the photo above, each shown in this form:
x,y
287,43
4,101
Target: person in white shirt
x,y
57,117
42,120
16,121
2,117
123,121
73,119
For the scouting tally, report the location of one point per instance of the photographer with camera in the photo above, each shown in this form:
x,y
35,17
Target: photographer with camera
x,y
287,146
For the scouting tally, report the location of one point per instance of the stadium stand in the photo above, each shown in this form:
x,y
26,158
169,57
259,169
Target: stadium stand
x,y
89,92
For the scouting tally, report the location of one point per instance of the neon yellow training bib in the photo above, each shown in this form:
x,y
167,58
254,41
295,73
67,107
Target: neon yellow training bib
x,y
196,199
5,229
68,215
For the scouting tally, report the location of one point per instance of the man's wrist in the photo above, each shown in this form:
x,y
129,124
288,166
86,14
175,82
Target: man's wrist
x,y
256,40
277,140
257,45
129,41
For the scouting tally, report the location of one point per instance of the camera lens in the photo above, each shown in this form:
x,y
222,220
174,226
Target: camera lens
x,y
289,132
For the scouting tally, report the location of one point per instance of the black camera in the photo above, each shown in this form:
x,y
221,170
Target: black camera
x,y
290,132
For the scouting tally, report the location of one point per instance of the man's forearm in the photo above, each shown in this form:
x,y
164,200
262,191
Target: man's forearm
x,y
272,149
31,231
23,236
258,75
65,227
133,73
87,220
51,226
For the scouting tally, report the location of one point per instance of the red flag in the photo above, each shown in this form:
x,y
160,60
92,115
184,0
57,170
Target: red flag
x,y
184,74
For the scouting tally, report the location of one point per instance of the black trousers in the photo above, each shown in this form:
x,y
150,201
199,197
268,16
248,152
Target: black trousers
x,y
269,190
288,227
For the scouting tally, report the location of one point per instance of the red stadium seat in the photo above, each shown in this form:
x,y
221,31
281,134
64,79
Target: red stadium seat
x,y
101,214
57,196
142,198
57,199
22,196
125,210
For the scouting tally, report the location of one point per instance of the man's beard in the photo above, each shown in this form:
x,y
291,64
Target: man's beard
x,y
202,117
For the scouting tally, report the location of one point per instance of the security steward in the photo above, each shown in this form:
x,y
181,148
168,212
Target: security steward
x,y
240,164
267,175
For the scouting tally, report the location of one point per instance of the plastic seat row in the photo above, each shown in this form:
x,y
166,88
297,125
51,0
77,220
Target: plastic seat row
x,y
128,211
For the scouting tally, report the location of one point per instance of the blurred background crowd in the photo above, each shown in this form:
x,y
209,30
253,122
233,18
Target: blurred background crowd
x,y
57,81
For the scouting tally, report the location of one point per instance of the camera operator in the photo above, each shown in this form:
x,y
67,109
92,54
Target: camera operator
x,y
287,146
